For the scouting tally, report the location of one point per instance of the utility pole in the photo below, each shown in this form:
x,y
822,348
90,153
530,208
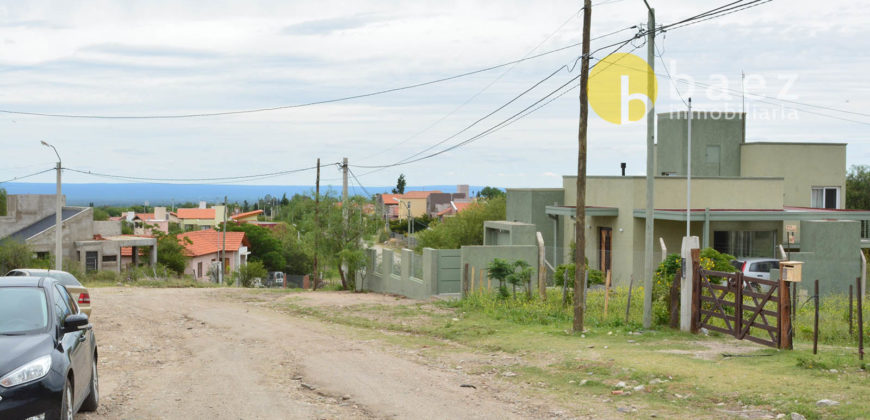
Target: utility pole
x,y
344,215
580,210
224,246
689,173
316,222
650,173
58,215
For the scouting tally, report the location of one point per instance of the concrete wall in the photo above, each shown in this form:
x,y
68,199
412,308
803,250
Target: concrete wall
x,y
829,250
722,131
528,205
500,232
23,210
803,165
478,258
107,228
76,228
440,273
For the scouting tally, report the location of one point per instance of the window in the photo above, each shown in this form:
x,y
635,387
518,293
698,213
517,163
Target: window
x,y
825,198
746,243
61,305
199,269
110,258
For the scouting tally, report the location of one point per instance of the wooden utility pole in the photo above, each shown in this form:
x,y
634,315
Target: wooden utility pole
x,y
580,214
650,173
316,223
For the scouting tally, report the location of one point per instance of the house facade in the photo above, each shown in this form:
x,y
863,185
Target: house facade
x,y
200,218
204,249
747,199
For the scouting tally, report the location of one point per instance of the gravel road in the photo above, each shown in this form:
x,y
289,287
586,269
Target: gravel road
x,y
200,354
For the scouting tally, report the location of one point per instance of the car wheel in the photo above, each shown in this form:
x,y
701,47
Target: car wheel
x,y
93,399
66,404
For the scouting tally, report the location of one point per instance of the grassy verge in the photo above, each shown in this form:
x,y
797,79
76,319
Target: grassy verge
x,y
658,371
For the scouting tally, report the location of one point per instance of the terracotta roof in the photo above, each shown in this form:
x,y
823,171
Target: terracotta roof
x,y
145,216
209,241
459,207
127,251
246,214
196,213
389,198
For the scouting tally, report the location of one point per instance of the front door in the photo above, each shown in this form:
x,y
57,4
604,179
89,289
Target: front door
x,y
605,235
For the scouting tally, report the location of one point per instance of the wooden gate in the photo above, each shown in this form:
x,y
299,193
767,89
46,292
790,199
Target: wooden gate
x,y
748,308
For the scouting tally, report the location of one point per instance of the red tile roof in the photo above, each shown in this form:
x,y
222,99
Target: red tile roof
x,y
144,216
246,214
459,208
389,198
209,241
196,213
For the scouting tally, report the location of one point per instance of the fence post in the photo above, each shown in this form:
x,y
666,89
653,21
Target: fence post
x,y
785,309
738,307
860,320
675,300
465,280
816,318
850,311
696,291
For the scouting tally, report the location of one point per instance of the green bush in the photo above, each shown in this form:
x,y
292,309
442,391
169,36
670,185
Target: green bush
x,y
566,271
250,271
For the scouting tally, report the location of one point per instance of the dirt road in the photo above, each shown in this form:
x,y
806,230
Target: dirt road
x,y
206,354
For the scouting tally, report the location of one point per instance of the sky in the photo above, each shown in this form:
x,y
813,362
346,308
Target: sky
x,y
155,57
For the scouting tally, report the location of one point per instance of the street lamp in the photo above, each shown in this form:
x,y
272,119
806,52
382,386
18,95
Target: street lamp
x,y
58,218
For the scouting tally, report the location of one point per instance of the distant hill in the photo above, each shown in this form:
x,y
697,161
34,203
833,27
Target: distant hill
x,y
159,194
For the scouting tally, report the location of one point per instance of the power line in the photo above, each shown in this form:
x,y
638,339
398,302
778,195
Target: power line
x,y
368,194
230,179
662,60
27,176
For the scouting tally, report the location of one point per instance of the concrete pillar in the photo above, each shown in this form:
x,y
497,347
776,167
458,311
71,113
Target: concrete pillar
x,y
154,255
118,260
706,234
135,256
689,243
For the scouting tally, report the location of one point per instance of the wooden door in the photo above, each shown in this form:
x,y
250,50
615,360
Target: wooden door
x,y
605,236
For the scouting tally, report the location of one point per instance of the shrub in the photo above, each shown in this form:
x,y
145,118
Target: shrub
x,y
250,271
566,271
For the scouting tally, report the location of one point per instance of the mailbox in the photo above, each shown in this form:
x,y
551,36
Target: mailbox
x,y
790,270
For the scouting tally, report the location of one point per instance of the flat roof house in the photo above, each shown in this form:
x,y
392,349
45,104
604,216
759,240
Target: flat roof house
x,y
745,198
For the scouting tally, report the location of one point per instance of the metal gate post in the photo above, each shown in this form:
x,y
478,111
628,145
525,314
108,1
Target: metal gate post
x,y
738,307
696,291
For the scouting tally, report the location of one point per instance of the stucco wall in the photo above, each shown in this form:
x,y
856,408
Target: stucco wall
x,y
528,205
829,250
479,257
803,165
23,210
77,228
725,130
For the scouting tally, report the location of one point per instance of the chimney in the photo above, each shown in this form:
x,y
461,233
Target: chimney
x,y
159,213
622,165
202,204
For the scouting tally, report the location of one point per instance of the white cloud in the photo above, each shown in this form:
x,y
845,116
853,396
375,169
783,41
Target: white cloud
x,y
163,57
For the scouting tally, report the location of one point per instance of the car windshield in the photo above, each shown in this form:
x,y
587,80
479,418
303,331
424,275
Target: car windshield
x,y
22,310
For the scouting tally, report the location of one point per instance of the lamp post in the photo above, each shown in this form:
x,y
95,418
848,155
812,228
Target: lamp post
x,y
58,219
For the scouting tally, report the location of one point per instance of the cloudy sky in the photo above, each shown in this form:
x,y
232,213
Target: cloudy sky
x,y
116,58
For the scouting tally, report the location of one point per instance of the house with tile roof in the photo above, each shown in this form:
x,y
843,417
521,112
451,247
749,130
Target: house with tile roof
x,y
200,218
454,208
204,249
246,217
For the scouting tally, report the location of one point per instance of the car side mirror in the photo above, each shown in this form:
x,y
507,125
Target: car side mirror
x,y
75,323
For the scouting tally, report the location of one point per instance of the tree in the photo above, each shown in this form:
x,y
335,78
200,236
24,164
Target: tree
x,y
3,197
284,200
521,273
14,254
490,193
465,228
245,206
265,246
500,270
858,187
170,252
100,214
400,185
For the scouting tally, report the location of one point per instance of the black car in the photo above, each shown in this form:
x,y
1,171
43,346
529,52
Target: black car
x,y
48,352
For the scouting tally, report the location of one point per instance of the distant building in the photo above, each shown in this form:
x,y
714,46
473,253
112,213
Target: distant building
x,y
200,218
30,218
204,246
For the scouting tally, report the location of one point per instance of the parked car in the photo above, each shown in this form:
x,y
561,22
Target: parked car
x,y
73,286
756,267
48,352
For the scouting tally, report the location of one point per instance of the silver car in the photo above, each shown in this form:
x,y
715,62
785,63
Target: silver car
x,y
756,267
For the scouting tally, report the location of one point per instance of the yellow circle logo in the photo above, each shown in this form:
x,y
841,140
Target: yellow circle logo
x,y
618,88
